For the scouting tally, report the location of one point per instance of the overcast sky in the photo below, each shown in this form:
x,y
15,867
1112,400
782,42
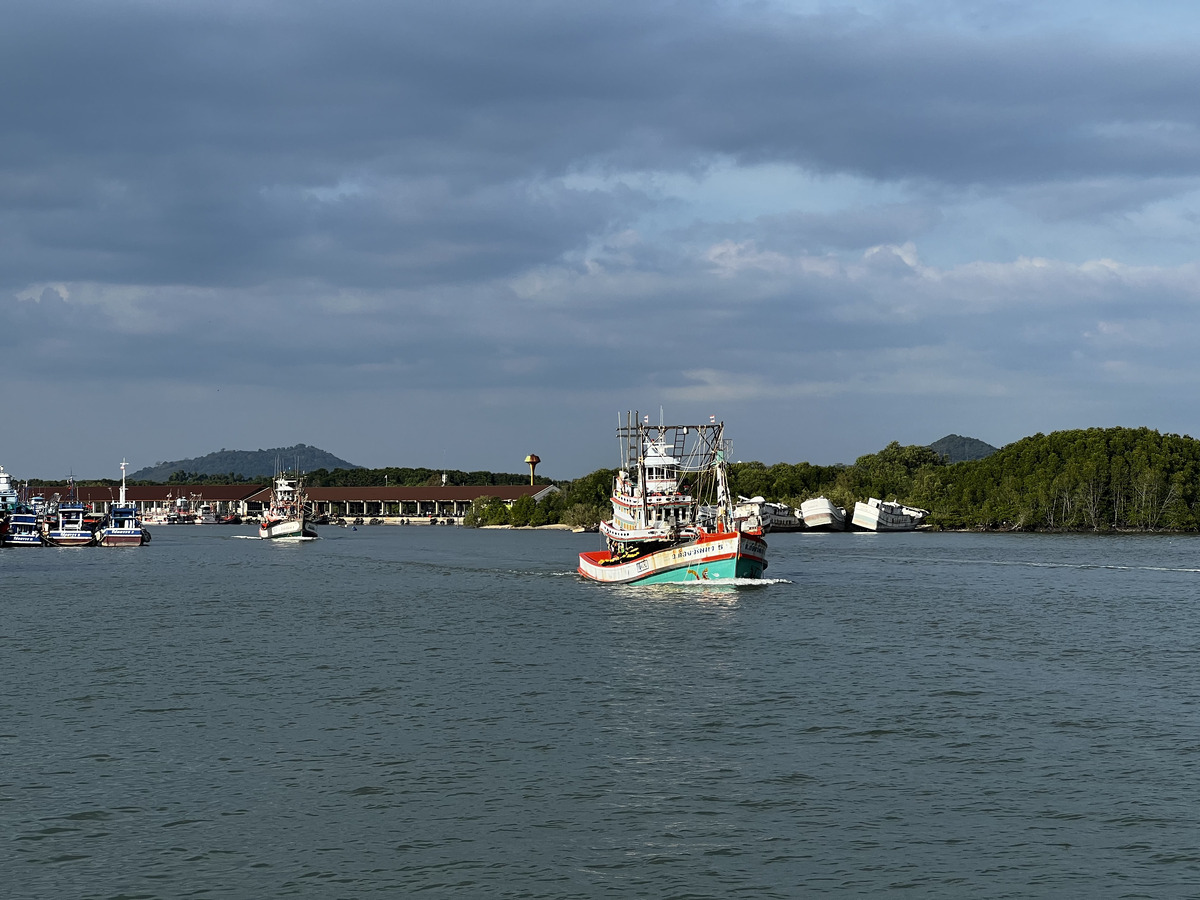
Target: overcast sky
x,y
449,234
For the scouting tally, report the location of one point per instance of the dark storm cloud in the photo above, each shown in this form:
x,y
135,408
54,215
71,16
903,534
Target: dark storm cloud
x,y
469,198
374,143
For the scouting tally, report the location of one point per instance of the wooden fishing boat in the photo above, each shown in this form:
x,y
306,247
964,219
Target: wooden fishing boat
x,y
673,519
288,515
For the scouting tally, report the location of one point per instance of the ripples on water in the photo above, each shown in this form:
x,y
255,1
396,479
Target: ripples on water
x,y
452,712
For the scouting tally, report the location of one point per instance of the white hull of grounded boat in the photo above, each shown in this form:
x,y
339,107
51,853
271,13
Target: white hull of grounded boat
x,y
820,513
884,515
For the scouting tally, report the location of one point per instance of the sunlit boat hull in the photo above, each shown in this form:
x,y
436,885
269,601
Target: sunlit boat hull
x,y
713,557
23,535
23,540
123,537
876,515
286,528
820,513
70,538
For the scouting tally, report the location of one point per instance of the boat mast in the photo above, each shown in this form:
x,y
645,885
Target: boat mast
x,y
723,499
123,464
641,469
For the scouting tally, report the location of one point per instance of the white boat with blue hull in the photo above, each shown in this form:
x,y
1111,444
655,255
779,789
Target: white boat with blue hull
x,y
18,522
23,529
65,526
122,527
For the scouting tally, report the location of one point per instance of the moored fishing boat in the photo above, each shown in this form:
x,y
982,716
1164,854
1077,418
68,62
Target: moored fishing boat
x,y
9,498
23,529
65,525
288,514
673,519
820,513
121,527
9,501
18,522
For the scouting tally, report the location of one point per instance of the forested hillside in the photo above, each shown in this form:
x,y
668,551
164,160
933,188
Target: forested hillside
x,y
956,448
1095,479
231,465
1098,479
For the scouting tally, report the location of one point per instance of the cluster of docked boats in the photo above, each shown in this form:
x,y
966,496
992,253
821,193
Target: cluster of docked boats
x,y
57,522
37,521
821,514
187,511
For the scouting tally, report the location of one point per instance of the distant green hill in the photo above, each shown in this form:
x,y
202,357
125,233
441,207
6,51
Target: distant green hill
x,y
249,464
956,448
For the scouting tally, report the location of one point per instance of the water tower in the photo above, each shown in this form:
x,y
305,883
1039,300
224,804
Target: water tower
x,y
532,460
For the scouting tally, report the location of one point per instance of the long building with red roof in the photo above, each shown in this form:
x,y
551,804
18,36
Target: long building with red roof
x,y
390,503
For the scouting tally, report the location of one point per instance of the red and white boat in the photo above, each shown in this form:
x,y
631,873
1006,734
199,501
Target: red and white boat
x,y
673,519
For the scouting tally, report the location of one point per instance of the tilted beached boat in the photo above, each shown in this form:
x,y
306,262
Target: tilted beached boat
x,y
820,513
673,519
774,516
887,515
288,514
122,527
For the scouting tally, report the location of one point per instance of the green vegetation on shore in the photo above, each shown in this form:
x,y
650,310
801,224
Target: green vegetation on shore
x,y
1095,479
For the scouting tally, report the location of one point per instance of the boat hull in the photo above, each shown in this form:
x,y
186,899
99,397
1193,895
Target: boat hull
x,y
70,538
286,528
122,538
712,558
22,539
876,516
820,513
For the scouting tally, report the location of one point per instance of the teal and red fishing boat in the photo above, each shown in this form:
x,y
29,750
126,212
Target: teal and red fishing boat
x,y
673,517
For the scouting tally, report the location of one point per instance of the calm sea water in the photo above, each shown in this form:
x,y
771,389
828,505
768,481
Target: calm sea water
x,y
446,712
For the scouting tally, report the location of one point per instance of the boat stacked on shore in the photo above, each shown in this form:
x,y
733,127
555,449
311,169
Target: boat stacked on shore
x,y
887,515
774,516
821,514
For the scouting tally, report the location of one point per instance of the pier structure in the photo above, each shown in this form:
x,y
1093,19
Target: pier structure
x,y
446,504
